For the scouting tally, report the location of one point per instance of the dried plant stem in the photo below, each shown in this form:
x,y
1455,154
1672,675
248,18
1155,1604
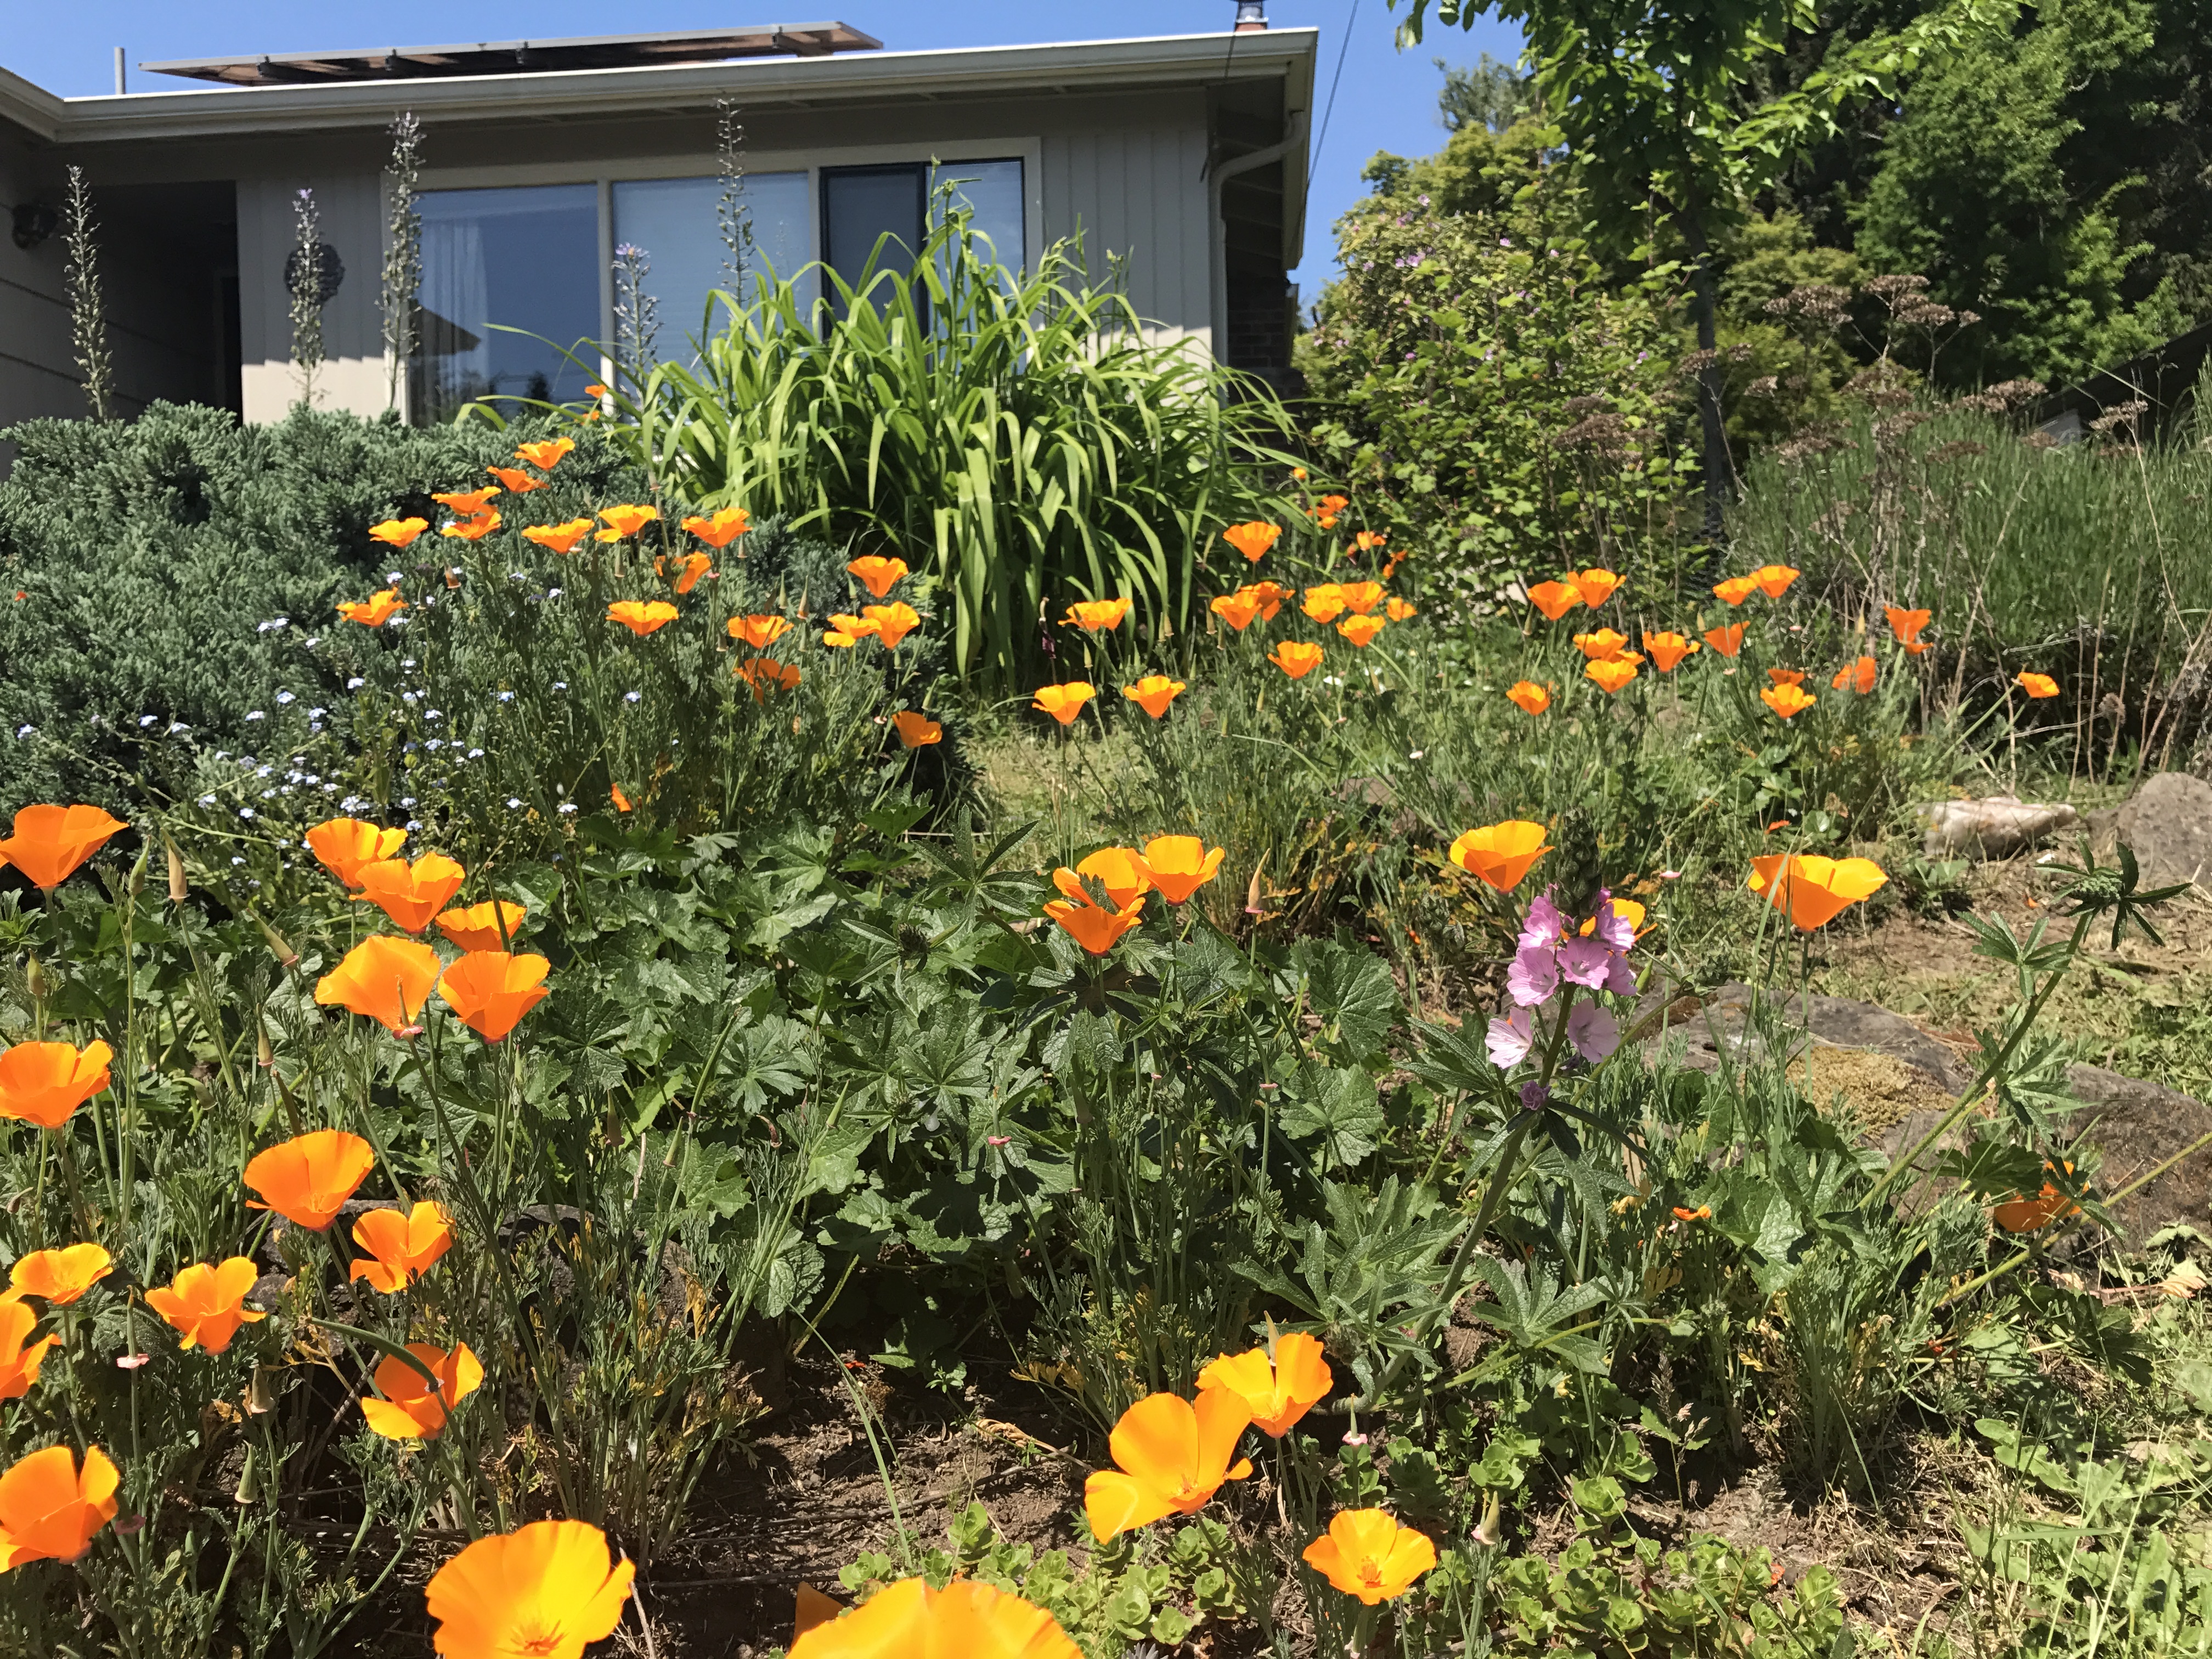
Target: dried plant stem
x,y
403,252
88,317
306,273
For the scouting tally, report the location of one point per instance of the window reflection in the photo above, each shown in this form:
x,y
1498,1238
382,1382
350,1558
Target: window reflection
x,y
990,191
676,222
496,260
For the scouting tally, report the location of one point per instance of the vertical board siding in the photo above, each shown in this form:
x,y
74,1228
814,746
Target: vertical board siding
x,y
1139,194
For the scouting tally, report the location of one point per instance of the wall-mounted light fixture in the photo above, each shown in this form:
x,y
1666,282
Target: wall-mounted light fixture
x,y
34,223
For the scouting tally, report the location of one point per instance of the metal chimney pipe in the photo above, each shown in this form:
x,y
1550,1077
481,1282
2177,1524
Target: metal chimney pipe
x,y
1251,16
121,86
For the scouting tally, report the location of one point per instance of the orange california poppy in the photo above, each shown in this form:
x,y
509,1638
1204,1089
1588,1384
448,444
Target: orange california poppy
x,y
546,455
1400,610
1727,640
2037,685
1154,693
759,632
1611,674
398,532
414,1408
723,528
1602,645
621,805
42,1083
1324,602
1735,590
1178,866
1278,1390
410,894
1787,700
966,1620
1064,702
878,573
1253,540
1173,1456
60,1276
547,1590
1814,890
847,631
893,622
374,611
1361,631
1554,599
492,990
624,521
1120,871
1855,677
689,568
1096,616
343,845
916,730
1367,541
763,674
1785,676
1238,609
384,978
595,390
466,504
1500,854
19,1357
402,1245
1268,596
641,617
1906,624
50,1512
1360,597
1773,580
205,1303
1533,698
1595,586
2029,1215
49,842
1668,649
515,479
1296,658
558,537
1366,1553
473,529
308,1179
1325,512
477,927
1090,924
1627,909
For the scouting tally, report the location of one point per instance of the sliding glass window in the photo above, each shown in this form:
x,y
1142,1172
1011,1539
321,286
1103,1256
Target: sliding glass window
x,y
496,262
676,226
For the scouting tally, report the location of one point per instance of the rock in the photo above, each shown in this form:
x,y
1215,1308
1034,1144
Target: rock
x,y
2168,822
2139,1125
1995,827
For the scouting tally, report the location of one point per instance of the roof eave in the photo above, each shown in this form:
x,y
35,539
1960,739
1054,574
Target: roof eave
x,y
762,84
31,107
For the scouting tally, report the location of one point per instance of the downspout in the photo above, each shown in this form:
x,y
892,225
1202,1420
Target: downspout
x,y
1217,231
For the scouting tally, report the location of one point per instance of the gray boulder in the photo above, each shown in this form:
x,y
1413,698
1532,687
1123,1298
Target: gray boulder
x,y
2168,822
1995,827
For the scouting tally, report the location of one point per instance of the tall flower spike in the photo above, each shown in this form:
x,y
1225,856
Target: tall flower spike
x,y
1173,1456
308,1179
50,842
1278,1389
547,1591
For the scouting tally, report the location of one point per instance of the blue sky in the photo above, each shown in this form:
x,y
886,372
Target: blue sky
x,y
1386,99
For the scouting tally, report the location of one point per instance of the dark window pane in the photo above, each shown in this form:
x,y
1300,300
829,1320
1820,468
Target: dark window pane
x,y
990,191
860,206
524,258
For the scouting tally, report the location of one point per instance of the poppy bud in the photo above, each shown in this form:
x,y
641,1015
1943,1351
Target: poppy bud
x,y
452,578
261,1393
278,948
34,979
137,883
265,1052
176,874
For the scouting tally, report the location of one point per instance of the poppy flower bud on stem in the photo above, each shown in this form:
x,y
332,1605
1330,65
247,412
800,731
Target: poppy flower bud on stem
x,y
34,979
177,888
136,885
285,955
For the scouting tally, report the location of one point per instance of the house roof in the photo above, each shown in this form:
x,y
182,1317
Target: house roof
x,y
761,83
519,57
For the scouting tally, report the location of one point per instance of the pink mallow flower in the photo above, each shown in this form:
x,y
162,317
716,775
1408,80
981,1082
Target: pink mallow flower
x,y
1510,1039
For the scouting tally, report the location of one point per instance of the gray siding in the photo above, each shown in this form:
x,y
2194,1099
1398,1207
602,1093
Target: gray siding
x,y
1139,192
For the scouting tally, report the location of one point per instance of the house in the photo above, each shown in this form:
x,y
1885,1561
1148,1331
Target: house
x,y
1183,157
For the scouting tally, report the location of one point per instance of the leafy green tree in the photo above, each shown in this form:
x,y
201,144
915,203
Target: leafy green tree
x,y
1660,106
